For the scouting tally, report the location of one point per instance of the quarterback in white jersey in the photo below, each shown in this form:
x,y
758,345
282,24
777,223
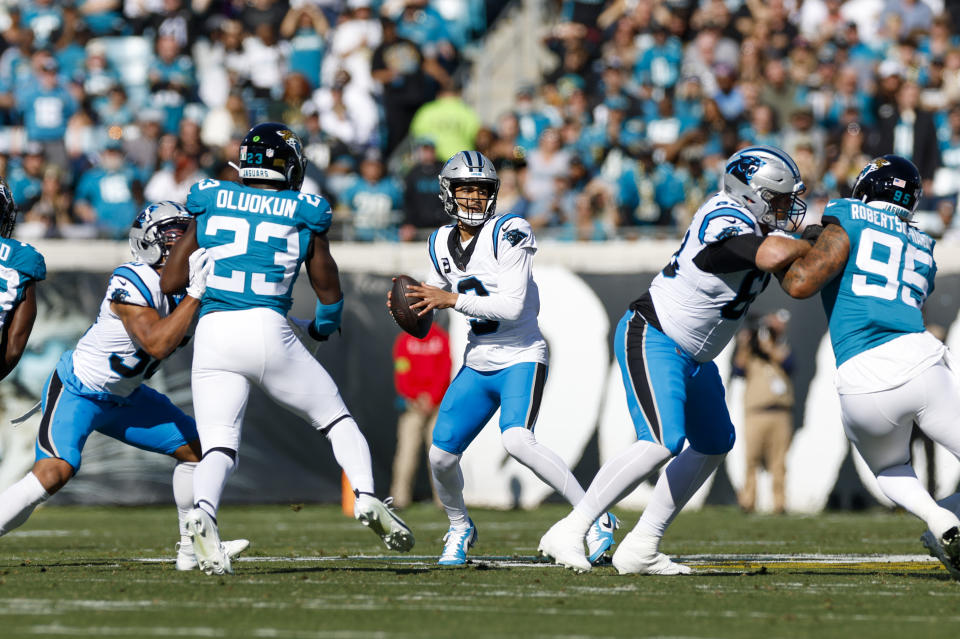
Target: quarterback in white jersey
x,y
98,386
481,267
665,345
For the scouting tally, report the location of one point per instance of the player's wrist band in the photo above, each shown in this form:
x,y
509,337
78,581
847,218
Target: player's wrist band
x,y
326,319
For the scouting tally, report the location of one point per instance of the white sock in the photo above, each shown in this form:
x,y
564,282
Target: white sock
x,y
616,479
18,501
901,485
679,481
352,453
546,464
209,478
183,496
448,480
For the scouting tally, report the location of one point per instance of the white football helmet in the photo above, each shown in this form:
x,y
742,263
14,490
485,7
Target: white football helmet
x,y
468,167
156,229
767,182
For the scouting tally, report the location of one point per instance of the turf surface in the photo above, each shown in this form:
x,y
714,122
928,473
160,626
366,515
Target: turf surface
x,y
314,574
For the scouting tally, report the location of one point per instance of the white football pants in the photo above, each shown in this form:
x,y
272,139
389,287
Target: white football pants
x,y
232,349
879,424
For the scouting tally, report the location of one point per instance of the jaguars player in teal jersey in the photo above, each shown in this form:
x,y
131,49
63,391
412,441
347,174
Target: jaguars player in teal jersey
x,y
874,271
99,384
21,267
258,233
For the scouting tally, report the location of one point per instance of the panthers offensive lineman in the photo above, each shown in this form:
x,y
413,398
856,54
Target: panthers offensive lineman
x,y
481,267
874,270
98,386
257,234
665,345
21,267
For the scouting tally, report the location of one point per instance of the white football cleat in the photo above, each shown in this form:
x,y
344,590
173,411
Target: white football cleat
x,y
210,554
947,549
456,543
187,561
379,517
565,547
635,557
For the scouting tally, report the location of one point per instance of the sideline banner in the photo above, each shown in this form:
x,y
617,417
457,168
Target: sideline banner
x,y
583,416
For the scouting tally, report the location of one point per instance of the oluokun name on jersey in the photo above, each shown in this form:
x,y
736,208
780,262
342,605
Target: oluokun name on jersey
x,y
256,203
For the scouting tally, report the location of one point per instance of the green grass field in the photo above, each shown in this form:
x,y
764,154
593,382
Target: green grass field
x,y
313,573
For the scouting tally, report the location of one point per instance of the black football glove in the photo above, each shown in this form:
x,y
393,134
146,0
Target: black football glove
x,y
811,233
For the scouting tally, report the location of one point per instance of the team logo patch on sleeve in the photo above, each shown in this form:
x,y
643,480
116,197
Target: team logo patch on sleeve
x,y
730,231
119,295
514,236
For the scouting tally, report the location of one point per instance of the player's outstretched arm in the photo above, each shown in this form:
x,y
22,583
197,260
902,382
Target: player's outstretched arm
x,y
810,273
157,336
16,330
777,252
176,270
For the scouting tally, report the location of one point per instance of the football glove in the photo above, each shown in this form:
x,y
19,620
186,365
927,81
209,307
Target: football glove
x,y
200,266
811,232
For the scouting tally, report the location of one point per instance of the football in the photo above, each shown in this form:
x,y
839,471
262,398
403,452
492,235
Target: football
x,y
405,317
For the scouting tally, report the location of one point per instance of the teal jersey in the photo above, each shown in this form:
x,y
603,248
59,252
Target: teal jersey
x,y
886,280
20,264
258,239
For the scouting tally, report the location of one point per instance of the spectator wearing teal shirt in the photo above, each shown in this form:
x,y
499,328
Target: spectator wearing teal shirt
x,y
305,27
421,23
659,65
107,195
25,177
172,81
648,191
44,18
374,201
47,105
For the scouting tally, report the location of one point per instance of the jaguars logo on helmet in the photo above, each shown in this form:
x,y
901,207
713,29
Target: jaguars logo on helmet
x,y
156,229
271,155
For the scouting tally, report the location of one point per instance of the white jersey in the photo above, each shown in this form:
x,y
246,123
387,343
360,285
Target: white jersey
x,y
107,359
493,276
702,309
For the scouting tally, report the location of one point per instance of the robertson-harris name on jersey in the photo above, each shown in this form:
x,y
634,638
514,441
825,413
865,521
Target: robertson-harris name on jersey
x,y
256,203
890,221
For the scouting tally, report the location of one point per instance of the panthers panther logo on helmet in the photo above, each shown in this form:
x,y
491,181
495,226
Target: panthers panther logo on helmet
x,y
744,167
156,229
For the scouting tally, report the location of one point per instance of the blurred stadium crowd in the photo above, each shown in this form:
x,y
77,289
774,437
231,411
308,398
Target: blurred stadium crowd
x,y
106,104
